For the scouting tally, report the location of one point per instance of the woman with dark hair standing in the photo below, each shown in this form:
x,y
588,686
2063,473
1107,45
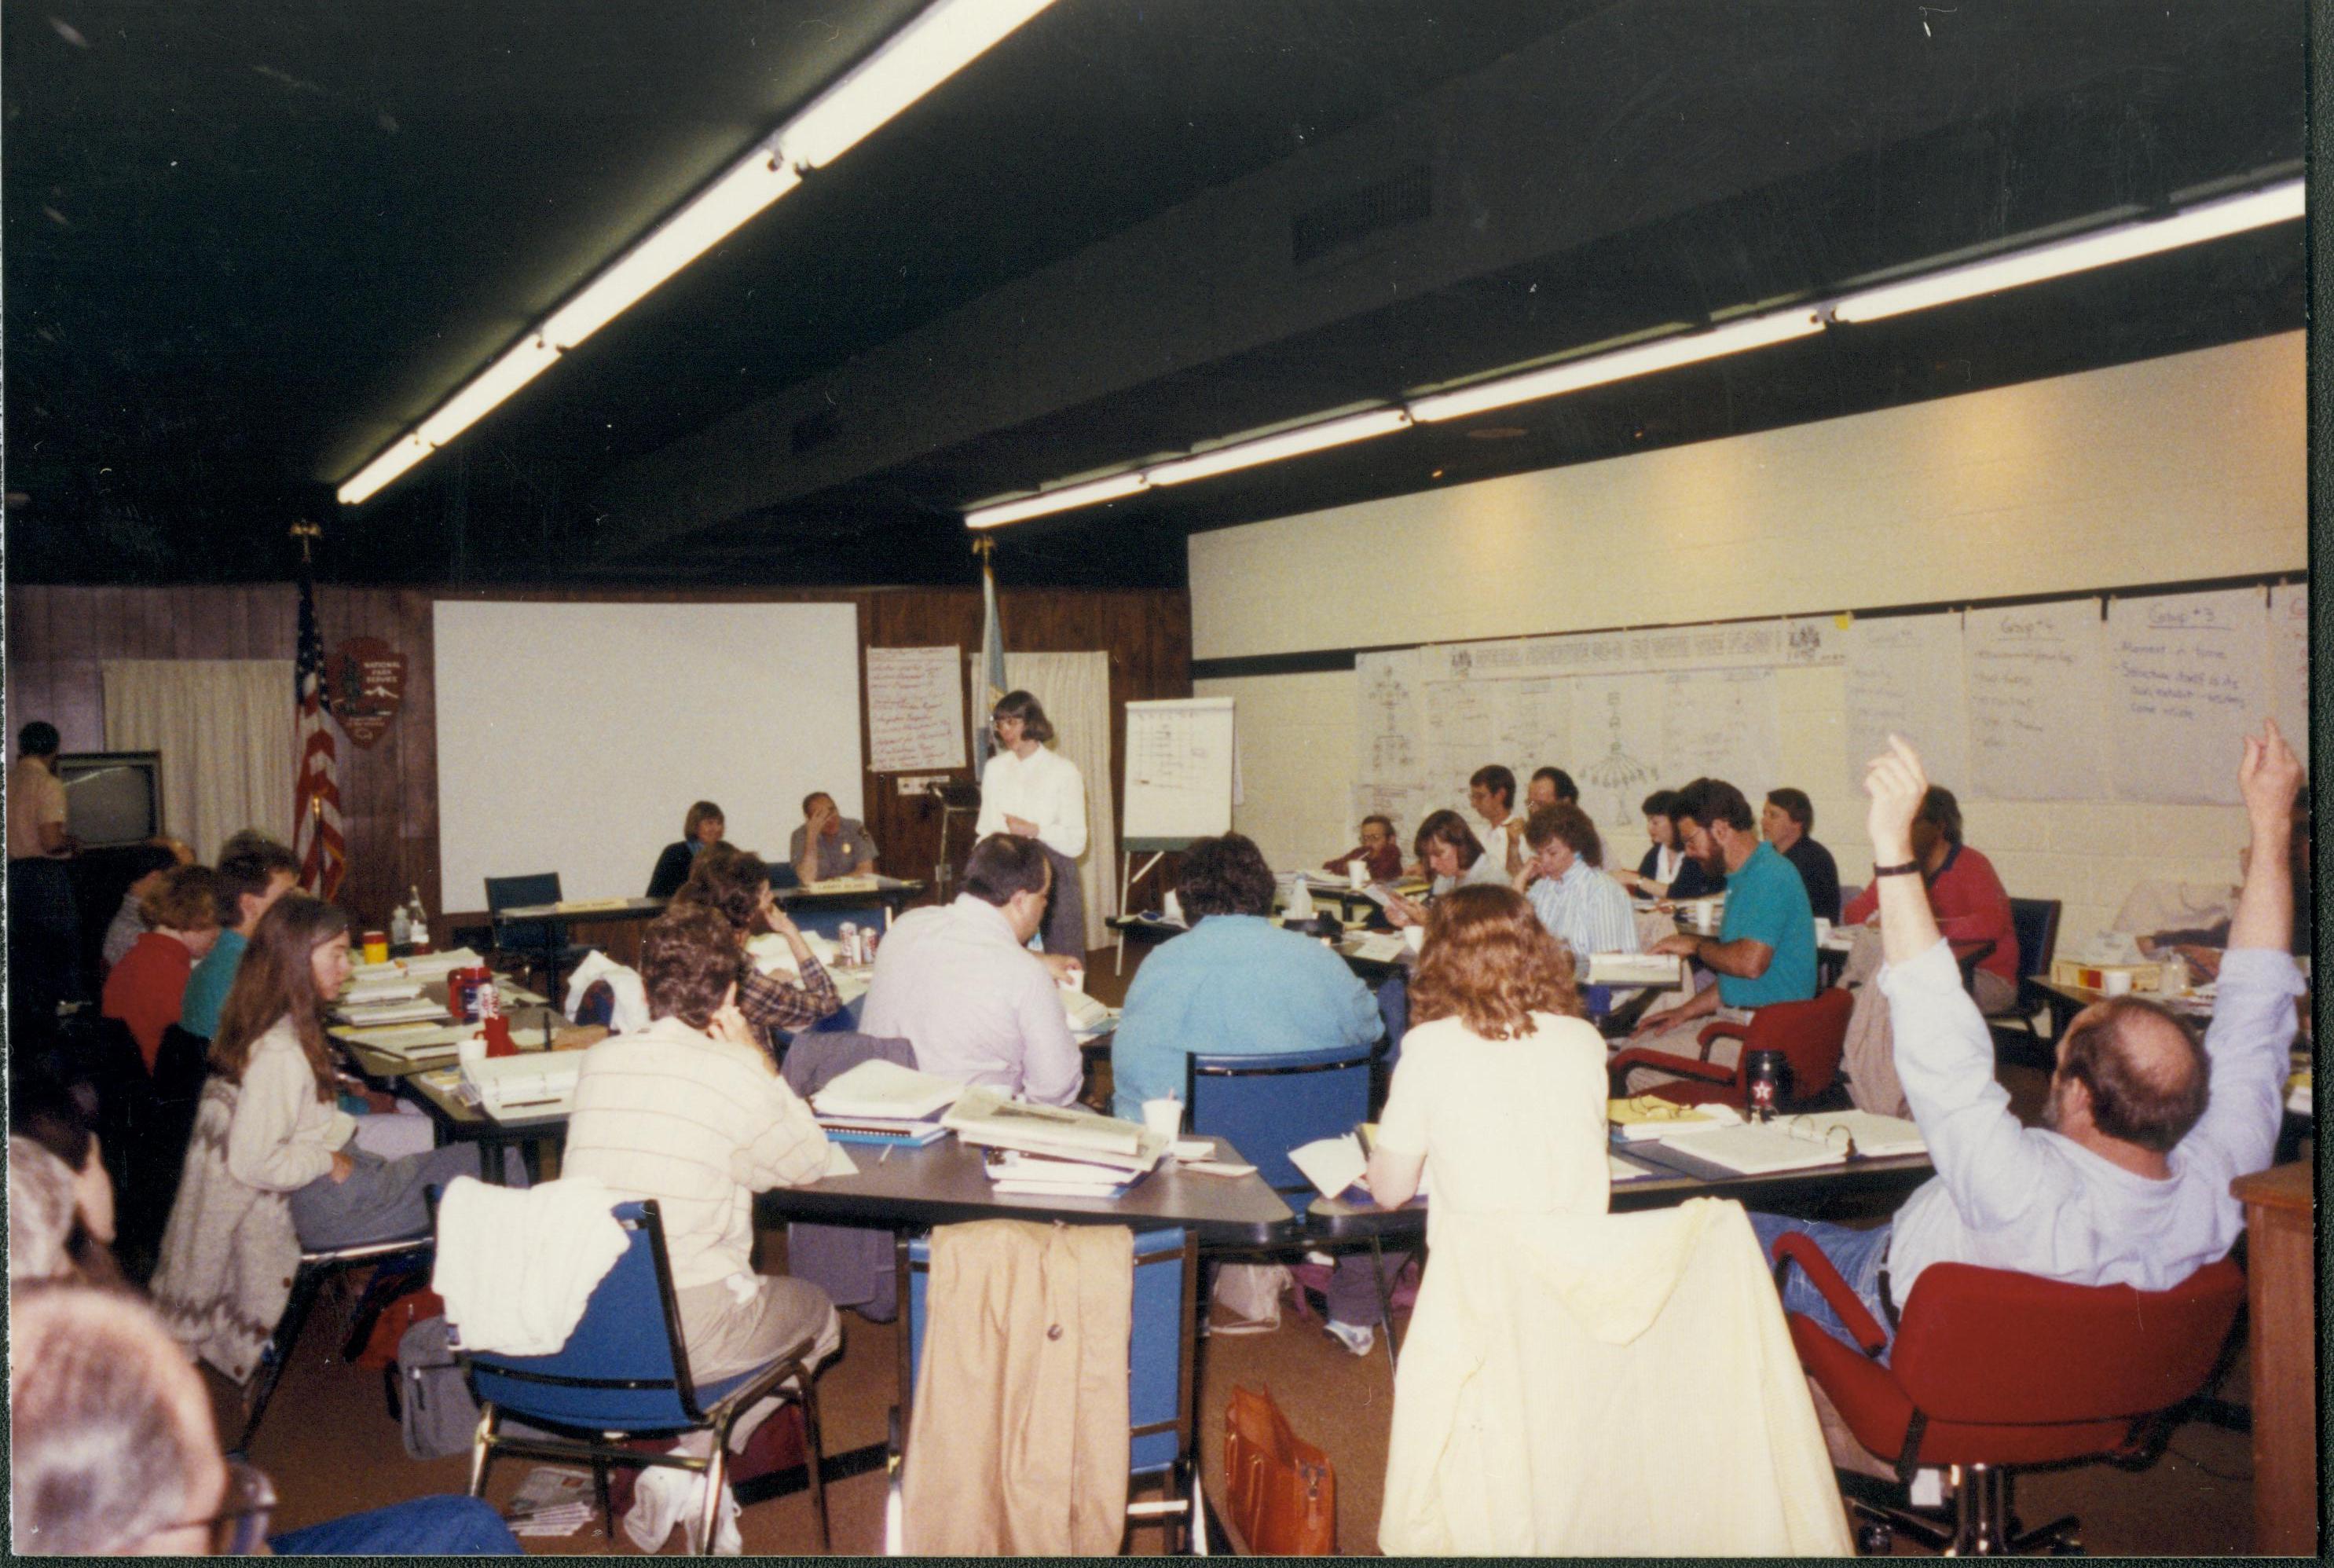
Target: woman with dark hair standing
x,y
701,829
1032,791
289,1134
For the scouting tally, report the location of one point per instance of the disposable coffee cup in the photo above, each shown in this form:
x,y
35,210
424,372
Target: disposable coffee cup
x,y
2116,983
1163,1116
1171,908
1357,871
471,1051
1414,938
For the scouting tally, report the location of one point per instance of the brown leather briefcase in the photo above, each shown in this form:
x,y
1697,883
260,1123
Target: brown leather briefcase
x,y
1282,1493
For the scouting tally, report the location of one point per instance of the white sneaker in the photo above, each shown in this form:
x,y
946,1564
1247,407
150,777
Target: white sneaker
x,y
659,1497
1358,1338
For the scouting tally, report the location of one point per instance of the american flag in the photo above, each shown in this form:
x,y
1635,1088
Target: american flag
x,y
316,794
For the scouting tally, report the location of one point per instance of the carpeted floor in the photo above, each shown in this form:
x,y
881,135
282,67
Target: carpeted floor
x,y
332,1447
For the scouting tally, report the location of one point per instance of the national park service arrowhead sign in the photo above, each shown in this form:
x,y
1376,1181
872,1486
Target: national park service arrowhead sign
x,y
364,681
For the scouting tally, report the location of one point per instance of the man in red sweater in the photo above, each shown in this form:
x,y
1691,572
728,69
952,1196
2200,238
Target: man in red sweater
x,y
1377,847
1970,901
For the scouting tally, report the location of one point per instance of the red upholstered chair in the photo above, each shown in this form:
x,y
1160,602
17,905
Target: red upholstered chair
x,y
1810,1036
1994,1370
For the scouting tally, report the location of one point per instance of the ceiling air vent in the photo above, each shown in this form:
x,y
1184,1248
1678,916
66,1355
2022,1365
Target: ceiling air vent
x,y
1405,196
813,431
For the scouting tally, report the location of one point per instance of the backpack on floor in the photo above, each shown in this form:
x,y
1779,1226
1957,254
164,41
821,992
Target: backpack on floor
x,y
437,1412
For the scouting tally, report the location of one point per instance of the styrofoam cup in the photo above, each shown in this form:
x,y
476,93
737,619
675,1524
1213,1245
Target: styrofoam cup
x,y
1163,1116
2116,983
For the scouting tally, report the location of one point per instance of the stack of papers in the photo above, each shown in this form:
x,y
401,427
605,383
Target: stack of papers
x,y
1087,1017
421,966
1376,946
408,1011
533,1083
387,988
1057,1175
1121,1150
551,1501
1637,969
886,1089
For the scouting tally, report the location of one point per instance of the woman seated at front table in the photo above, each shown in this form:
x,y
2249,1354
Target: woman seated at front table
x,y
1667,871
1971,903
690,1112
736,885
1501,1082
288,1133
702,827
1449,852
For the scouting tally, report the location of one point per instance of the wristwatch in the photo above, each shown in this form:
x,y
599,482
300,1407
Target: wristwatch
x,y
1906,870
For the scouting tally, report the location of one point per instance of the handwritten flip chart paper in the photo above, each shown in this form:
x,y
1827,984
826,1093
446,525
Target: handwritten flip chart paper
x,y
1179,771
2289,664
1904,677
915,709
2189,674
1723,724
2037,706
1389,750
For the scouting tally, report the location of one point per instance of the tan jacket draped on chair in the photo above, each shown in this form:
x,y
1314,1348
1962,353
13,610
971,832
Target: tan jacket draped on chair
x,y
1614,1385
1017,1442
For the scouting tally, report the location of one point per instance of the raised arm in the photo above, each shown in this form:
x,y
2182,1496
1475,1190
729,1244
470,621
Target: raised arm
x,y
2269,778
1896,782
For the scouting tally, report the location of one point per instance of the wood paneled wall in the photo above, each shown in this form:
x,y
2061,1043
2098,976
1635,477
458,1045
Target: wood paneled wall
x,y
58,639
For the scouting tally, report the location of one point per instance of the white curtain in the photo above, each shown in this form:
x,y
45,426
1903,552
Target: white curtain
x,y
1073,689
225,728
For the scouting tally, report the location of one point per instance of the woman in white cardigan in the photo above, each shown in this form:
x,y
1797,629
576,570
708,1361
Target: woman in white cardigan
x,y
289,1134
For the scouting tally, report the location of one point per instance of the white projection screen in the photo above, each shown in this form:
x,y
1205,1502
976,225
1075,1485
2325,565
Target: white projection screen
x,y
572,737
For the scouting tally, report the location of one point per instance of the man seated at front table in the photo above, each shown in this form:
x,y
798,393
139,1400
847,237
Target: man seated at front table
x,y
828,843
250,880
1549,786
1765,949
2126,1181
1788,820
961,986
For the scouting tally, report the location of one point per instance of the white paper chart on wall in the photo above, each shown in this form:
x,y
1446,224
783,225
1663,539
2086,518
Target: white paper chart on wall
x,y
2188,684
915,708
1179,771
2038,702
2289,663
1722,724
1905,678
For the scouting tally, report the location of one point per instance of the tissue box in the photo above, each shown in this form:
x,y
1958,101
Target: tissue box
x,y
2093,976
531,1083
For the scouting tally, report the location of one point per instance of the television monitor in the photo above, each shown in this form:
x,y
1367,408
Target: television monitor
x,y
112,797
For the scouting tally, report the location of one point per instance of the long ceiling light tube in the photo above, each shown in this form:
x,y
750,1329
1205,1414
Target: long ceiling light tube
x,y
940,42
1286,444
1663,353
1090,493
2206,220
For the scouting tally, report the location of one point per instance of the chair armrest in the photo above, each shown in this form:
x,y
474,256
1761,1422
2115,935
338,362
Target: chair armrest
x,y
1683,1066
1720,1031
1794,1247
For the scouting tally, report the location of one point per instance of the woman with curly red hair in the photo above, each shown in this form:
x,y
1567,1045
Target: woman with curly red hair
x,y
1501,1082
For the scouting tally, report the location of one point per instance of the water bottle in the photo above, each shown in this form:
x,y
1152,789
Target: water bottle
x,y
400,929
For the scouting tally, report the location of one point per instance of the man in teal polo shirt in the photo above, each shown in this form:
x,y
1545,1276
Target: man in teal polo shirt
x,y
1765,949
250,880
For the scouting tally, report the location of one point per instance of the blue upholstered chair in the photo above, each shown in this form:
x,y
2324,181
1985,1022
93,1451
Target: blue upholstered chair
x,y
1268,1105
624,1374
1159,1380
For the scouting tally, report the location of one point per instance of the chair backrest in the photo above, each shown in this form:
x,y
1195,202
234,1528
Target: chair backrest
x,y
1268,1105
2035,923
517,893
1990,1347
1158,1369
623,1369
1810,1034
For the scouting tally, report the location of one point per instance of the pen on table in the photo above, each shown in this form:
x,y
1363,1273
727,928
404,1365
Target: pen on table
x,y
885,1155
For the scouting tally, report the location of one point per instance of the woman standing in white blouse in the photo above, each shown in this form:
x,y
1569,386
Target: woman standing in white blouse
x,y
1038,793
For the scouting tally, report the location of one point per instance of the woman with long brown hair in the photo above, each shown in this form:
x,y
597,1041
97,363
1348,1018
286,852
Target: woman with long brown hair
x,y
1449,852
289,1134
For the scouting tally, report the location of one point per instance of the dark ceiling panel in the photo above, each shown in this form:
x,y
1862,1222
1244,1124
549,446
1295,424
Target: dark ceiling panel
x,y
246,244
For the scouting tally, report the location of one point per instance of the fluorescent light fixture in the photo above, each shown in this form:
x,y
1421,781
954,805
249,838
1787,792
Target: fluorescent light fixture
x,y
2126,242
926,52
1662,354
712,215
519,364
941,41
409,449
1286,444
1085,494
